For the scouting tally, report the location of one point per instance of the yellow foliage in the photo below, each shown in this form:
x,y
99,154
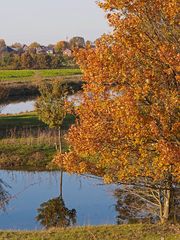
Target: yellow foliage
x,y
127,126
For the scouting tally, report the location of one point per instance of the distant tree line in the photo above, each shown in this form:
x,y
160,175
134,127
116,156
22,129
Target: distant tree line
x,y
36,56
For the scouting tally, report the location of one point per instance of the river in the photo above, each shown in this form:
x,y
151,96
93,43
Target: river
x,y
22,193
29,105
94,203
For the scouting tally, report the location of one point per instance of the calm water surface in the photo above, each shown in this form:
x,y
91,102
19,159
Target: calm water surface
x,y
93,202
29,105
19,107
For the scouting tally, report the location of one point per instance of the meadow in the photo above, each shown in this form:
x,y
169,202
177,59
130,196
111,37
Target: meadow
x,y
24,119
32,75
109,232
28,120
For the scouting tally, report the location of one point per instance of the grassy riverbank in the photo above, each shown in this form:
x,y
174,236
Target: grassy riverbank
x,y
26,143
19,120
20,88
19,84
31,119
33,75
33,157
122,232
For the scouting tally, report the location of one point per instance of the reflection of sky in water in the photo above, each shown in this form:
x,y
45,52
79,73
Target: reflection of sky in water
x,y
76,99
14,108
94,203
28,106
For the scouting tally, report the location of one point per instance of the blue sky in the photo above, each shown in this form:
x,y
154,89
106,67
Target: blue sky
x,y
48,21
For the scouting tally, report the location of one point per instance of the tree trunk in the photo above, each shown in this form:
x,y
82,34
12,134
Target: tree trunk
x,y
165,214
59,140
61,184
167,207
60,150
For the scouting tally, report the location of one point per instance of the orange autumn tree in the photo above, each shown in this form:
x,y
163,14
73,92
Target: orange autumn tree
x,y
127,126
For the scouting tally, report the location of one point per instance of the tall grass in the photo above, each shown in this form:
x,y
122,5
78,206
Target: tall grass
x,y
30,136
29,149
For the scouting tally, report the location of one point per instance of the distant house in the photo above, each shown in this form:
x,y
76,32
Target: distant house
x,y
18,50
90,43
49,50
25,48
14,49
40,49
67,52
45,50
7,49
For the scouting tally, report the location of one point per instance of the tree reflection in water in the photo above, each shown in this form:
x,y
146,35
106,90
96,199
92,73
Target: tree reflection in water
x,y
140,204
132,208
54,213
4,195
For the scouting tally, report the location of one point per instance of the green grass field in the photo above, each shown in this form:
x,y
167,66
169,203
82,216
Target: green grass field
x,y
32,75
29,119
122,232
13,74
17,120
59,72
